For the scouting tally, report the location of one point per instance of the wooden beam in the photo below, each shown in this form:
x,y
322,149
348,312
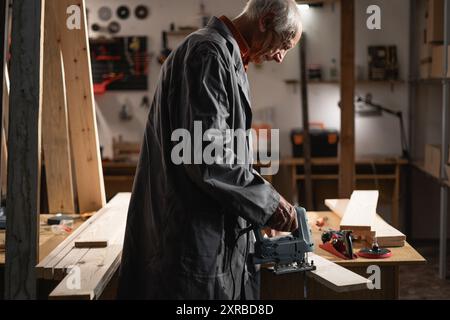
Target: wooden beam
x,y
22,206
347,141
4,135
305,116
80,102
55,131
4,34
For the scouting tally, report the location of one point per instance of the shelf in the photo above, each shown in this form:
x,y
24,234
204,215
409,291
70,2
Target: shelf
x,y
357,177
358,82
419,166
435,81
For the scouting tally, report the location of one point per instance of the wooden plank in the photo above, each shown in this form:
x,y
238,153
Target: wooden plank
x,y
22,206
4,102
360,212
81,108
336,277
72,258
105,224
55,131
98,265
347,139
387,235
45,268
91,243
305,119
95,269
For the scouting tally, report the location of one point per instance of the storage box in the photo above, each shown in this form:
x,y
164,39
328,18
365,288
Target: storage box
x,y
435,21
324,142
433,159
437,61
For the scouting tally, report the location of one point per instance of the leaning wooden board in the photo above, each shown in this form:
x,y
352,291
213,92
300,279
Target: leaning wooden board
x,y
80,106
387,236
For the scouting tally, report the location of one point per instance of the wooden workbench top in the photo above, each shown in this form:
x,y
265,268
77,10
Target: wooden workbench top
x,y
47,239
400,256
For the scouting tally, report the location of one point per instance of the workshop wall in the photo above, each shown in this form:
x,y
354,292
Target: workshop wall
x,y
378,135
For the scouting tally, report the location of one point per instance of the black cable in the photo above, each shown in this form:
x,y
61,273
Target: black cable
x,y
240,234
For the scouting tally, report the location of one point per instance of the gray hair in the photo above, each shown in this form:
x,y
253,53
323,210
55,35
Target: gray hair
x,y
287,15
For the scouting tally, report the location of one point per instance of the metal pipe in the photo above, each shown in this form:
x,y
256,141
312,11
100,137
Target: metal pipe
x,y
444,148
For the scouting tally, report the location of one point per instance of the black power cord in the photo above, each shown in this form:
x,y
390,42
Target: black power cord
x,y
240,234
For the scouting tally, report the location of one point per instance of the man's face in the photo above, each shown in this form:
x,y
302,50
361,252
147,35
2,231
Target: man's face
x,y
271,48
279,52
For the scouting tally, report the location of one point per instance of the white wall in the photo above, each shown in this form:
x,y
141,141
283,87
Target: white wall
x,y
322,27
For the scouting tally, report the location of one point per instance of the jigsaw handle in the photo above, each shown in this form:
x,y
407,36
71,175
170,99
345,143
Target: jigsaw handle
x,y
303,231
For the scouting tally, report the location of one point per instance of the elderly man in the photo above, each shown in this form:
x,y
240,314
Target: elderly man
x,y
186,231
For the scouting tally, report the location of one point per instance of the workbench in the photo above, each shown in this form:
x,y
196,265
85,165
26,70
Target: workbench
x,y
376,168
291,286
47,242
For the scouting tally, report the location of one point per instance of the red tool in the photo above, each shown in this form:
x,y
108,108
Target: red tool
x,y
100,88
338,243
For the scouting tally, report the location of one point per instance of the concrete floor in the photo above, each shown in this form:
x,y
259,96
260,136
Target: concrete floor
x,y
422,282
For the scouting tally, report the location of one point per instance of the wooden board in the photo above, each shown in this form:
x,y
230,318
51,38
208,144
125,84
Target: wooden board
x,y
361,211
347,138
108,223
45,267
97,265
4,135
387,235
24,154
335,277
81,107
96,269
55,131
91,243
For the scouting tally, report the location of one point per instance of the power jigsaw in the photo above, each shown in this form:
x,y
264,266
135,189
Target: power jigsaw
x,y
288,253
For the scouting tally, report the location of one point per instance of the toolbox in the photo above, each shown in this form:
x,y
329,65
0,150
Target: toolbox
x,y
324,142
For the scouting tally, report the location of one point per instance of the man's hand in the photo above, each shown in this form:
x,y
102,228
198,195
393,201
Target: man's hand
x,y
284,218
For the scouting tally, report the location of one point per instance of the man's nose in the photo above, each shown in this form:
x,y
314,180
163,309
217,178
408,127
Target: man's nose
x,y
279,57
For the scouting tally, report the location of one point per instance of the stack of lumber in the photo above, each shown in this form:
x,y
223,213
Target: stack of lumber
x,y
363,219
94,249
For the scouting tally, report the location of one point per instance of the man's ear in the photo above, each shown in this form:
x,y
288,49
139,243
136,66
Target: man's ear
x,y
266,22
